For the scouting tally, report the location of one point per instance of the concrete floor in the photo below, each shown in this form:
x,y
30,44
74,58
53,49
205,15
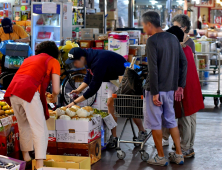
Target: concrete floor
x,y
208,144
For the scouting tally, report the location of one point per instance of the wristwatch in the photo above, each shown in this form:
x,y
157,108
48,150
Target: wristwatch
x,y
74,103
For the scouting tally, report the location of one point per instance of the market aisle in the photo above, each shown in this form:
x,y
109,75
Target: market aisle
x,y
208,145
208,148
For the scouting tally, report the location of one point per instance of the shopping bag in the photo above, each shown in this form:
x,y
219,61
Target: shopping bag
x,y
131,83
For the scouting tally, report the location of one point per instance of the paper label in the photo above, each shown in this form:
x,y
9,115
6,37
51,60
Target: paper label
x,y
49,8
5,121
110,122
52,105
95,121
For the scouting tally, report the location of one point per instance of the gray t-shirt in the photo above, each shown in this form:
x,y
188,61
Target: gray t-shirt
x,y
167,63
191,44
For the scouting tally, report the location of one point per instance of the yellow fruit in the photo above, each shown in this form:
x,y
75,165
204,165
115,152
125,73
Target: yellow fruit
x,y
3,103
2,112
6,107
7,112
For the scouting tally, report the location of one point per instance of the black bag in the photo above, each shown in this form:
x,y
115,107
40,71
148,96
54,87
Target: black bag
x,y
131,83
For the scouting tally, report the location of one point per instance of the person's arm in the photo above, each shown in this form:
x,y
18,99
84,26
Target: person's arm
x,y
23,36
182,68
24,40
80,88
87,78
55,87
153,70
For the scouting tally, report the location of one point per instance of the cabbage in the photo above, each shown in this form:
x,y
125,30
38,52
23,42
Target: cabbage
x,y
82,113
65,117
71,112
60,112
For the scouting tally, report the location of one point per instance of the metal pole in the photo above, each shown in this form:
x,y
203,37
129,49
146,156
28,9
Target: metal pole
x,y
105,13
84,13
218,60
131,13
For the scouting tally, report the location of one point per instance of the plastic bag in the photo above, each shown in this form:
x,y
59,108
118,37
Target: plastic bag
x,y
4,43
131,83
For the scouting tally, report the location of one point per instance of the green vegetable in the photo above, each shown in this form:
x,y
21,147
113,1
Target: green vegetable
x,y
101,113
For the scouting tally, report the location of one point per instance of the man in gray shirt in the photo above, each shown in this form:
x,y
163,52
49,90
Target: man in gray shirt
x,y
167,67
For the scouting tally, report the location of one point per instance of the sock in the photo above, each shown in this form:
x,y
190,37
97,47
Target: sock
x,y
160,157
177,155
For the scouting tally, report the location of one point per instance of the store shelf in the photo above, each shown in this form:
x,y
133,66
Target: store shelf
x,y
74,26
47,40
48,26
77,7
29,6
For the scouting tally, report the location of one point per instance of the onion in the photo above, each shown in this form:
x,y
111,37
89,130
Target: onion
x,y
82,113
60,112
65,117
71,112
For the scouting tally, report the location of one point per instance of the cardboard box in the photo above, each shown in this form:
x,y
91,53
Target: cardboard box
x,y
79,137
46,168
52,136
104,103
77,125
20,164
111,5
80,162
97,103
51,123
92,150
112,15
52,148
141,49
104,89
90,30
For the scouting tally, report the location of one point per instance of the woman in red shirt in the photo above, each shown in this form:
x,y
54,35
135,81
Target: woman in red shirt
x,y
192,100
26,94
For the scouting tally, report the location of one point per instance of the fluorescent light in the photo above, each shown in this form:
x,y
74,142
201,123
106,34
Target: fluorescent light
x,y
218,1
180,2
159,6
153,2
197,1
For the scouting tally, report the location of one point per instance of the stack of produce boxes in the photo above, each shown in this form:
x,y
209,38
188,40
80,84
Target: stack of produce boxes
x,y
112,16
75,132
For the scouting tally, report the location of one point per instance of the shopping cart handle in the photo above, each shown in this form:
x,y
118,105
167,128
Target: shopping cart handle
x,y
114,96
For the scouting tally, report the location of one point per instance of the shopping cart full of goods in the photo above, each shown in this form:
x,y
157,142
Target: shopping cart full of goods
x,y
128,103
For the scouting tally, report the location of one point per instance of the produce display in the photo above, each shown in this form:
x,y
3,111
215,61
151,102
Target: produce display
x,y
5,110
76,113
101,113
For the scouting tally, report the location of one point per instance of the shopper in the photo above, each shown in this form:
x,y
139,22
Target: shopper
x,y
8,31
102,66
26,94
166,65
186,110
183,22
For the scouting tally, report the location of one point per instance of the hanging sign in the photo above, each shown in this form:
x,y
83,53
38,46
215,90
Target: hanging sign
x,y
49,7
218,20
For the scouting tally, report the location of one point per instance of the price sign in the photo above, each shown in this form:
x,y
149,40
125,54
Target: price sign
x,y
218,20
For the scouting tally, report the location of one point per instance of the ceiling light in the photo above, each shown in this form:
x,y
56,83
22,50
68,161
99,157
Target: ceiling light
x,y
153,2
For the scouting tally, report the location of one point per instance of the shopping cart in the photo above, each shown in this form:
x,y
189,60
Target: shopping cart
x,y
129,107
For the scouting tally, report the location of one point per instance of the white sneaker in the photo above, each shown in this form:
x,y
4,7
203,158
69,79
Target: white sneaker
x,y
165,142
173,147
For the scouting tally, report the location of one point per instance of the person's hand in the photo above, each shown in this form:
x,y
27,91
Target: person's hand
x,y
156,100
179,94
18,40
75,91
53,99
70,105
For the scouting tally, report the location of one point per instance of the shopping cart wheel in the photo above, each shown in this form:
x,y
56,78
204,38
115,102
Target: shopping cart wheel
x,y
216,101
144,156
136,144
121,154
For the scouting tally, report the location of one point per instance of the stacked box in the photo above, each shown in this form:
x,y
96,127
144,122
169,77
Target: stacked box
x,y
95,21
92,149
111,5
78,131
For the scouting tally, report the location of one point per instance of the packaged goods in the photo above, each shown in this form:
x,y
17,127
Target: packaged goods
x,y
119,43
